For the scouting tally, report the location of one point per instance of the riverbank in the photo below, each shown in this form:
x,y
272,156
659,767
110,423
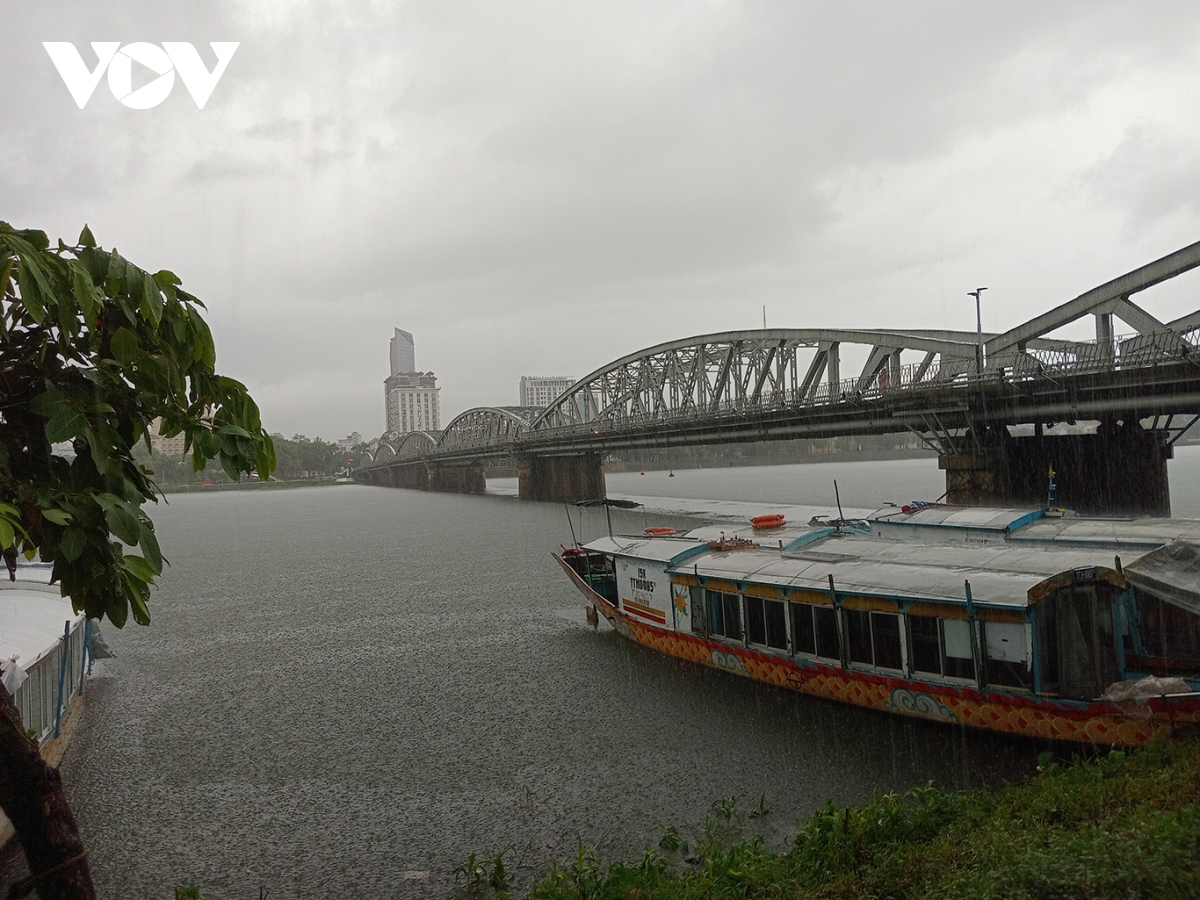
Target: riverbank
x,y
245,486
1117,825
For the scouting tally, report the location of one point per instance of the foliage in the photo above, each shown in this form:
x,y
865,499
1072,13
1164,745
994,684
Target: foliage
x,y
303,457
1116,825
93,349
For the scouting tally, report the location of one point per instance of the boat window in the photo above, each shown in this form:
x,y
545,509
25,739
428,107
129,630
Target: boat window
x,y
776,625
858,636
814,630
804,637
825,620
756,621
873,638
956,640
766,623
1167,631
941,646
926,644
1007,656
725,615
697,610
885,637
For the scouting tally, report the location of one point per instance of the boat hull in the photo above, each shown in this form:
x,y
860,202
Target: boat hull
x,y
1129,723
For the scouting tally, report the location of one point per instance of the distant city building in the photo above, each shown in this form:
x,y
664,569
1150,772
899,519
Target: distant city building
x,y
412,402
537,390
410,397
404,353
165,446
349,442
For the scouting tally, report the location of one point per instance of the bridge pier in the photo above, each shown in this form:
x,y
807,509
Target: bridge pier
x,y
422,476
452,479
1119,470
561,479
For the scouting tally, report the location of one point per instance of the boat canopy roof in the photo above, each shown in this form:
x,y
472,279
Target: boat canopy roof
x,y
1000,575
31,620
654,549
1010,557
1171,572
1032,525
973,517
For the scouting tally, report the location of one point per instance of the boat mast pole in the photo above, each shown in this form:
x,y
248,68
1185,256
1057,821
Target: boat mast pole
x,y
574,539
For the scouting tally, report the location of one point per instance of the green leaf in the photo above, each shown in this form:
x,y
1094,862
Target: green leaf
x,y
7,535
74,540
123,523
229,464
84,291
31,296
149,545
85,237
152,305
118,608
125,347
57,516
65,424
207,444
138,567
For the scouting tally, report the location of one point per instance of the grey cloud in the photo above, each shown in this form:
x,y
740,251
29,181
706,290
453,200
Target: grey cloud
x,y
1151,175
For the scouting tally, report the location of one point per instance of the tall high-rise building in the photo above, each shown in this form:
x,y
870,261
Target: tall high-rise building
x,y
537,390
410,397
412,402
404,353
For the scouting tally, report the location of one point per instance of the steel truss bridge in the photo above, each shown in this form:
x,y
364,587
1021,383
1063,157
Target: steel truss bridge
x,y
787,383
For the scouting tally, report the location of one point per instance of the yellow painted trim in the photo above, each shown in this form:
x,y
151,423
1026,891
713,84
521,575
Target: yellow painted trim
x,y
810,598
764,590
716,584
1001,615
875,604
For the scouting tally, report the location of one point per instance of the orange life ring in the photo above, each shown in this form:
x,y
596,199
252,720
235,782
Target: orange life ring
x,y
772,521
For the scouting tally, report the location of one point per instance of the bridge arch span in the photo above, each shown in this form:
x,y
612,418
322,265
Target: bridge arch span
x,y
414,444
764,368
487,427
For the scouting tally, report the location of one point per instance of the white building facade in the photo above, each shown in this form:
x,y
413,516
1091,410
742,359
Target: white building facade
x,y
539,390
412,402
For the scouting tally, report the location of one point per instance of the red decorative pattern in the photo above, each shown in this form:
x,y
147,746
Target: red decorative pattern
x,y
1126,724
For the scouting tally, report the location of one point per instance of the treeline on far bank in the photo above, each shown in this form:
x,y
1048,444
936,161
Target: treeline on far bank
x,y
297,458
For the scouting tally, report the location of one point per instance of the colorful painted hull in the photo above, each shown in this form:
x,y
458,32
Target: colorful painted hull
x,y
1130,723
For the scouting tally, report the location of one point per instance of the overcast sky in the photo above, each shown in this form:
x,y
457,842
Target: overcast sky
x,y
540,188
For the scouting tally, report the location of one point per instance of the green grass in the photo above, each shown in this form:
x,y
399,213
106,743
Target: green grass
x,y
1121,825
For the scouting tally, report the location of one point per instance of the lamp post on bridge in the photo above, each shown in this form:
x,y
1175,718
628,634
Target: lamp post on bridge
x,y
978,329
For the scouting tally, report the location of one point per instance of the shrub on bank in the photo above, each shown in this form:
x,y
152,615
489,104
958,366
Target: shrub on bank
x,y
1121,824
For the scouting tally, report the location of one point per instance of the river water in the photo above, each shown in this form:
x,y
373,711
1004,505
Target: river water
x,y
347,690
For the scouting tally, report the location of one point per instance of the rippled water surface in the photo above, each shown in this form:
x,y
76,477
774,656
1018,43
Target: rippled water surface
x,y
347,690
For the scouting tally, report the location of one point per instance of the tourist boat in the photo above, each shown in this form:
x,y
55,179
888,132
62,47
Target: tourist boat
x,y
1018,621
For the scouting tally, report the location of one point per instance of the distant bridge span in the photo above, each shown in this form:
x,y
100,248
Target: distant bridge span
x,y
784,383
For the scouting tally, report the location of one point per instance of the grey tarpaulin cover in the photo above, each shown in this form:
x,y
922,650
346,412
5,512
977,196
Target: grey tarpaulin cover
x,y
1171,572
